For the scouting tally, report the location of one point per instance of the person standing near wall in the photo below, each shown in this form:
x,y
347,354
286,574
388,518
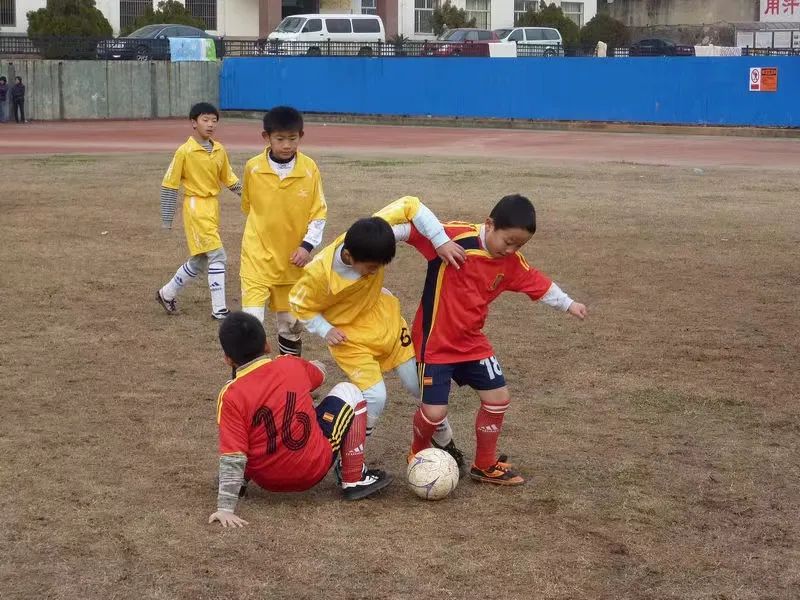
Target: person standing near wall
x,y
18,100
3,98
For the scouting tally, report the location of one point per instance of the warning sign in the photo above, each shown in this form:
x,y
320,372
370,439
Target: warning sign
x,y
763,79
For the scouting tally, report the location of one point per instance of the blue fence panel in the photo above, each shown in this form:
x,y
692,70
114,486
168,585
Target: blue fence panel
x,y
684,90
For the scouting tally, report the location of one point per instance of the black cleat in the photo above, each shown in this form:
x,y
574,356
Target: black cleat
x,y
371,481
451,449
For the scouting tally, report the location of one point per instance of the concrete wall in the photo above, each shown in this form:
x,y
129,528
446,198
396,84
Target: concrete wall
x,y
678,90
683,12
91,89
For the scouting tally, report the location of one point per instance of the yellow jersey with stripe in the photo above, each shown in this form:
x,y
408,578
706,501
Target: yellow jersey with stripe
x,y
278,215
340,300
200,173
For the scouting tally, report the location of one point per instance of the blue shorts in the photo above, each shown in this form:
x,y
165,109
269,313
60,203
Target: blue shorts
x,y
484,374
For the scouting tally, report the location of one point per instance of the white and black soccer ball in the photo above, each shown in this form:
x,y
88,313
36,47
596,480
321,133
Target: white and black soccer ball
x,y
432,474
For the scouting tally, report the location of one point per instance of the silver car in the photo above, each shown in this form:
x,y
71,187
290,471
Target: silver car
x,y
533,41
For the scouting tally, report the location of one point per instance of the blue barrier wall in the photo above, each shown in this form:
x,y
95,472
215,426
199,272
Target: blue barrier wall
x,y
683,90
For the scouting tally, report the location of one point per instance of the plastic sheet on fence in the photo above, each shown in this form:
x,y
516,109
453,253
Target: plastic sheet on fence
x,y
717,51
194,49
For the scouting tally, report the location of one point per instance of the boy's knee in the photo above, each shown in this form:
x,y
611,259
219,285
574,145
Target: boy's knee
x,y
257,312
288,325
376,400
217,256
348,393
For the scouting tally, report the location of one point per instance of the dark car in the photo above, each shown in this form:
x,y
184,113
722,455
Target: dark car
x,y
659,47
462,42
150,42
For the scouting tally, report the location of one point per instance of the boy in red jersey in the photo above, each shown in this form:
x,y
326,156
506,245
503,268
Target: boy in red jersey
x,y
447,327
270,431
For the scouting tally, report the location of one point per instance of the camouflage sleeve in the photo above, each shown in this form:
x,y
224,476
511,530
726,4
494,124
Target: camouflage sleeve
x,y
231,478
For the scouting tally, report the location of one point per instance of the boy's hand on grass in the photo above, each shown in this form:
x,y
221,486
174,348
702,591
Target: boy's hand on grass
x,y
335,336
576,309
452,254
227,519
301,257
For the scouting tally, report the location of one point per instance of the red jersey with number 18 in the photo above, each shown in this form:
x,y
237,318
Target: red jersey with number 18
x,y
455,302
267,414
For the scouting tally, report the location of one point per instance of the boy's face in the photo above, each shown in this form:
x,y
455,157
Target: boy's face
x,y
504,242
362,268
283,143
205,126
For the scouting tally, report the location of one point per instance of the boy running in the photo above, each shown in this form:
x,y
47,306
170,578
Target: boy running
x,y
341,298
270,432
199,165
448,325
285,206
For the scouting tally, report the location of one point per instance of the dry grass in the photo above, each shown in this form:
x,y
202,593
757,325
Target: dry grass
x,y
661,435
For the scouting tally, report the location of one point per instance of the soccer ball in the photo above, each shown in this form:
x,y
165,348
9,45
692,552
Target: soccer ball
x,y
432,474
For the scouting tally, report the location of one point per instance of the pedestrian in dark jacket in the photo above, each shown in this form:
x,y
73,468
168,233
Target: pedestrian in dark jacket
x,y
3,99
18,100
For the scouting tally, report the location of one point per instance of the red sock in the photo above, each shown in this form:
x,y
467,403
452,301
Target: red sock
x,y
352,451
488,425
423,431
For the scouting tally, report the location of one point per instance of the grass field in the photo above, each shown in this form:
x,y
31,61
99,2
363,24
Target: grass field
x,y
660,436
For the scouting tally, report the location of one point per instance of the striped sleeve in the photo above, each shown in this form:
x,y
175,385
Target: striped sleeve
x,y
236,188
169,200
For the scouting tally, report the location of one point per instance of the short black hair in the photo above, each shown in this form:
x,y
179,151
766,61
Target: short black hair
x,y
514,212
203,108
18,78
371,240
3,78
242,337
283,118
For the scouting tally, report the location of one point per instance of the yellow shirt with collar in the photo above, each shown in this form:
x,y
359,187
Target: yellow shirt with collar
x,y
278,213
200,172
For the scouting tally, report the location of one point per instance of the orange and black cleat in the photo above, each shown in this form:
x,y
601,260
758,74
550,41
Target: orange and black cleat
x,y
500,473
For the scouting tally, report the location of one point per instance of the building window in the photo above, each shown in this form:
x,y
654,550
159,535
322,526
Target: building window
x,y
130,10
574,11
479,10
369,7
523,6
423,13
8,13
204,9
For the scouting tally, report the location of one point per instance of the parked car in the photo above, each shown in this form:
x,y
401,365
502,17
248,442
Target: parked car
x,y
462,41
310,34
659,47
533,40
150,42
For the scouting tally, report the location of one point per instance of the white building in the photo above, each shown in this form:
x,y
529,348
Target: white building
x,y
257,18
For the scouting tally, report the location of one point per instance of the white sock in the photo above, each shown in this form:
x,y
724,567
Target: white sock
x,y
183,275
257,312
216,284
443,434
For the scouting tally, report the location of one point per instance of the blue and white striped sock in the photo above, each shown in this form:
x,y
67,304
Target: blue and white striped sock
x,y
216,285
183,275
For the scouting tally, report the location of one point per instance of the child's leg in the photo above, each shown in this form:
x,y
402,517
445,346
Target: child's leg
x,y
409,377
185,273
432,412
489,424
254,298
216,281
289,329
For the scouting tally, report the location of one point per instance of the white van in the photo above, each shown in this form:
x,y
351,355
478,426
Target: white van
x,y
548,37
309,34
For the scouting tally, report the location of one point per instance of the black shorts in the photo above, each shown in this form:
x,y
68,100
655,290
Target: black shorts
x,y
484,374
334,417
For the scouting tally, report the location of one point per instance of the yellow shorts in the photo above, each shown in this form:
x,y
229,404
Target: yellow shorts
x,y
256,295
201,224
378,341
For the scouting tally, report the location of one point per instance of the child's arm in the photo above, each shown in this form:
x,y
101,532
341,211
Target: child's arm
x,y
307,301
246,190
541,288
233,447
169,189
316,226
408,211
229,177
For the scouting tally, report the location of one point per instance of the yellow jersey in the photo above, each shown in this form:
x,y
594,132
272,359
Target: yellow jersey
x,y
278,214
198,170
322,291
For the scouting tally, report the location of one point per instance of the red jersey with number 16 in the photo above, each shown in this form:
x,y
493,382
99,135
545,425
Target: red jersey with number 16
x,y
455,302
267,414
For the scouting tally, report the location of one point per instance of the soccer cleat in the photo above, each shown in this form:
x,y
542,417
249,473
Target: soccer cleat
x,y
171,306
500,473
371,481
451,449
221,314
